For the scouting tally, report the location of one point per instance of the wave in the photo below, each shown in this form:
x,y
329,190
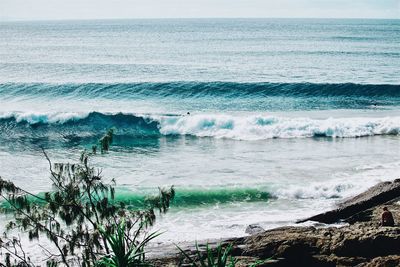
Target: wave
x,y
326,190
197,90
74,125
197,197
189,197
186,197
268,127
202,125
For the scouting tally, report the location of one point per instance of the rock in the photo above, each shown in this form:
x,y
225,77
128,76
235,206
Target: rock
x,y
354,245
362,243
254,229
308,246
376,195
388,261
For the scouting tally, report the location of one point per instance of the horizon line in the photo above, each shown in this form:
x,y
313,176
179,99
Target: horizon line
x,y
189,18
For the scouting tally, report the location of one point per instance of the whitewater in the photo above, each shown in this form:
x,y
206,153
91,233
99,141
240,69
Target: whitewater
x,y
254,121
256,127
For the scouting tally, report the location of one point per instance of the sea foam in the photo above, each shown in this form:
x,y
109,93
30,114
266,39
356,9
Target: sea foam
x,y
254,127
267,127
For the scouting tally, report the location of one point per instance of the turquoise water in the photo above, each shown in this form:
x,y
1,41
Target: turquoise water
x,y
286,117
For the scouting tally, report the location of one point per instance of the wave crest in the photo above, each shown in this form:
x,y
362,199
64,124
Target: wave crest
x,y
268,127
199,89
201,125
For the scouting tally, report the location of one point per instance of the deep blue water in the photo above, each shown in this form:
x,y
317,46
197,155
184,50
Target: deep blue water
x,y
241,50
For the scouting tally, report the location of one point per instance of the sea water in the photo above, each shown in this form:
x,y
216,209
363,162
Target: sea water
x,y
254,121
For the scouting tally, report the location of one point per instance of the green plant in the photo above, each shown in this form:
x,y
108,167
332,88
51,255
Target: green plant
x,y
74,213
259,262
211,258
125,252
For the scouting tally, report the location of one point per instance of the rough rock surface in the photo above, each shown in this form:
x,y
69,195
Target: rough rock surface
x,y
357,244
376,195
254,229
362,243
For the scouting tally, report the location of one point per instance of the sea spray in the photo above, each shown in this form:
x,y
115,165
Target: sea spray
x,y
254,127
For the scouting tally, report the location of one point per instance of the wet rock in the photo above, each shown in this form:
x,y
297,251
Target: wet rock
x,y
361,243
254,229
374,196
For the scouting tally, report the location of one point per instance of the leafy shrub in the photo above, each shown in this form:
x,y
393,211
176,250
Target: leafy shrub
x,y
79,216
220,257
125,252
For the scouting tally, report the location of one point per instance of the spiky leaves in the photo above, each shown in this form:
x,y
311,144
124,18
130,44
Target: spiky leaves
x,y
124,252
220,257
71,214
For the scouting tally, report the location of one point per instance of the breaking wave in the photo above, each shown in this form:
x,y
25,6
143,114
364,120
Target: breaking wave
x,y
189,197
201,125
195,197
185,197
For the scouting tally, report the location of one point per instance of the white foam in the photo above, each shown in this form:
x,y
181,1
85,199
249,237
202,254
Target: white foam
x,y
315,191
253,127
267,127
37,117
342,185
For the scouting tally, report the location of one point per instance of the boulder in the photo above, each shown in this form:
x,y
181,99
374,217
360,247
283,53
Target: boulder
x,y
308,246
376,195
254,229
361,243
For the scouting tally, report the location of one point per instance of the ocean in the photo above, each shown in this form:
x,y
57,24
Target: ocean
x,y
254,121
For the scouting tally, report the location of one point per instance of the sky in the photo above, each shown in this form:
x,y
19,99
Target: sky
x,y
126,9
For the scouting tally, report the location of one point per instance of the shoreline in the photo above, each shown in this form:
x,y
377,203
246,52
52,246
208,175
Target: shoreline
x,y
362,242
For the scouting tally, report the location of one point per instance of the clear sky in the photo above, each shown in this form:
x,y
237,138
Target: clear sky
x,y
106,9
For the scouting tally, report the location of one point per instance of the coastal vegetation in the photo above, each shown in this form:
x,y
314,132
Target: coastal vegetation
x,y
80,217
220,257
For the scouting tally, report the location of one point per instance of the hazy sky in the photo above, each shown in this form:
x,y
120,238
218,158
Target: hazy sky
x,y
101,9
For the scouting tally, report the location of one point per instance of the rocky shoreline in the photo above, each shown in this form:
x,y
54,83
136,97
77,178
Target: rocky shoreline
x,y
361,242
